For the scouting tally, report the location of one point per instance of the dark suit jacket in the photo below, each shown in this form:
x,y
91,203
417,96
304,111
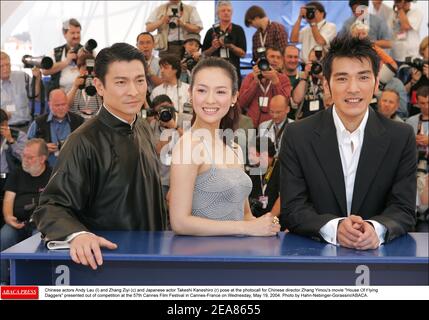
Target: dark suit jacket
x,y
312,189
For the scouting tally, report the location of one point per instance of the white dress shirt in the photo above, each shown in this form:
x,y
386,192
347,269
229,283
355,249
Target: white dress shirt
x,y
350,146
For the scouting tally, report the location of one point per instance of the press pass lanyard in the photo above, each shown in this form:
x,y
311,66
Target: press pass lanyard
x,y
266,179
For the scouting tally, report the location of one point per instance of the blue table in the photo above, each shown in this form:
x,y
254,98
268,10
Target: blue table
x,y
162,258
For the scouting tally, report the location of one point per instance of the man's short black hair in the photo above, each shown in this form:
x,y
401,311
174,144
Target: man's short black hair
x,y
145,33
318,6
3,116
173,61
162,98
347,46
252,13
422,91
358,2
117,52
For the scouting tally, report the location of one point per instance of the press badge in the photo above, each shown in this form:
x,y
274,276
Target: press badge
x,y
263,102
401,35
224,53
167,159
10,108
264,201
314,105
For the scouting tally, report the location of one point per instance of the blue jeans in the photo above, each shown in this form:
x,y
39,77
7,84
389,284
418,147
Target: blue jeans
x,y
10,236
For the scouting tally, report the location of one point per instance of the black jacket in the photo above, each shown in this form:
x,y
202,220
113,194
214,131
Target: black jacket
x,y
106,178
312,188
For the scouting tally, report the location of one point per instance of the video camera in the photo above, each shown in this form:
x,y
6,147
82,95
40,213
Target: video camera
x,y
310,12
41,62
415,62
88,83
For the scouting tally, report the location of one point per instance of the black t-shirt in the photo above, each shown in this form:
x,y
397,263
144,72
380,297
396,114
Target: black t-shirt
x,y
272,191
27,189
237,37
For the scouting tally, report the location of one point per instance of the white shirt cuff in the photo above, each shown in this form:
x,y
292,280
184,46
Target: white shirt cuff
x,y
329,230
380,230
65,244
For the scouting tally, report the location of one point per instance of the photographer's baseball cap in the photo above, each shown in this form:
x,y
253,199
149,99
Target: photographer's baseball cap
x,y
193,37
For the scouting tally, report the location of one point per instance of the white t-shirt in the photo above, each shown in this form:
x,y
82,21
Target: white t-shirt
x,y
406,44
327,30
179,94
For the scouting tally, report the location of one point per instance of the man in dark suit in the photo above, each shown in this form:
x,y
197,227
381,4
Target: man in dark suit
x,y
348,173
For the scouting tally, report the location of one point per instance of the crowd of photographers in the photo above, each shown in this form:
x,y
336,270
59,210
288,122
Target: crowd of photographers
x,y
285,84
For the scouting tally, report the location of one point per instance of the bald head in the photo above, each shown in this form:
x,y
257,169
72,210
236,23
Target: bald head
x,y
279,108
58,103
5,66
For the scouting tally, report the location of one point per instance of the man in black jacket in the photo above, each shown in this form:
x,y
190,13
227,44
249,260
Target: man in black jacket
x,y
348,173
65,69
107,175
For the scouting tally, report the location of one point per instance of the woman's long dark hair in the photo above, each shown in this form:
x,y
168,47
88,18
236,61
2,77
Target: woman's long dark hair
x,y
232,118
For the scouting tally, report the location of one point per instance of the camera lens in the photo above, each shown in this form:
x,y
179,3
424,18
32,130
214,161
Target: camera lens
x,y
165,115
264,65
316,68
310,13
172,25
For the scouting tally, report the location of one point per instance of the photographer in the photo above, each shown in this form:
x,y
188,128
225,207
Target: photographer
x,y
83,98
146,44
173,21
268,33
378,32
226,39
166,133
309,93
55,126
406,28
16,92
319,31
64,71
190,56
175,89
262,84
419,72
265,194
22,191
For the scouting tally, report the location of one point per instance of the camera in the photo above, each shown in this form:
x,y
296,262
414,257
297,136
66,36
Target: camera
x,y
316,68
88,83
415,62
60,144
166,113
223,36
173,18
310,12
90,45
189,60
263,63
39,62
